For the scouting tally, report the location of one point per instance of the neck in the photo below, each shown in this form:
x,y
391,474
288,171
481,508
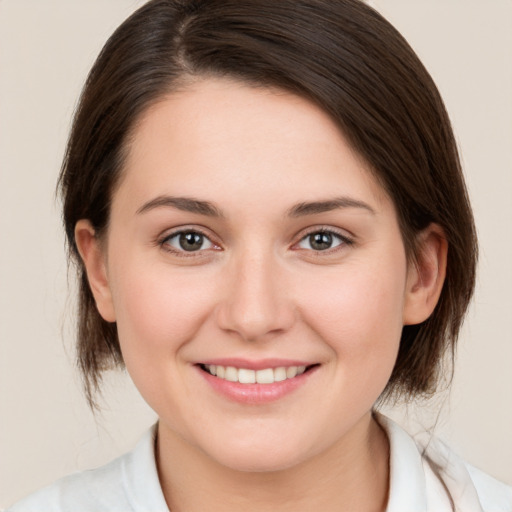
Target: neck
x,y
351,475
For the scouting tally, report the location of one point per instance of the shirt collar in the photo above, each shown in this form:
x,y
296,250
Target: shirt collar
x,y
407,489
140,476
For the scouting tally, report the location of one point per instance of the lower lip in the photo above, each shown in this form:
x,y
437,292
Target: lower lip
x,y
256,393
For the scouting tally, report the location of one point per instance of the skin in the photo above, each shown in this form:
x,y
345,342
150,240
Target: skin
x,y
258,289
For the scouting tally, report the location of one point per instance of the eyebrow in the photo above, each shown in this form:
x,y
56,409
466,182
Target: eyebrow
x,y
186,204
314,207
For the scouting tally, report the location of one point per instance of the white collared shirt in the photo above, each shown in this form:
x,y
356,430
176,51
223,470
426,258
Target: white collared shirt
x,y
421,480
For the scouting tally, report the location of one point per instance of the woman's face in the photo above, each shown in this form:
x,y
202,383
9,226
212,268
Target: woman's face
x,y
247,239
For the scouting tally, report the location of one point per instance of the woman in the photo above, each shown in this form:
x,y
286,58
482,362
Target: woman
x,y
273,234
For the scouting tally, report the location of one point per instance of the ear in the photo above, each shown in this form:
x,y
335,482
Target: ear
x,y
94,259
425,275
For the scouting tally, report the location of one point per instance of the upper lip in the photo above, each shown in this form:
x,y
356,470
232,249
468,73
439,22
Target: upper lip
x,y
255,364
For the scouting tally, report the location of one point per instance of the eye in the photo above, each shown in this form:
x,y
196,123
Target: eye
x,y
188,241
322,240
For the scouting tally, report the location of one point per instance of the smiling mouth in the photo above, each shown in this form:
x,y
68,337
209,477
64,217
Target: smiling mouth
x,y
247,376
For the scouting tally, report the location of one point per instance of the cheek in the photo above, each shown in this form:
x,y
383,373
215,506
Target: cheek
x,y
158,308
158,312
359,311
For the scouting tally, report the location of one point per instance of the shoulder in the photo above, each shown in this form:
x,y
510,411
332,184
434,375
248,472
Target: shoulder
x,y
97,489
465,483
128,483
428,475
495,496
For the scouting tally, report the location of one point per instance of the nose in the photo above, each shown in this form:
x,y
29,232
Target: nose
x,y
255,302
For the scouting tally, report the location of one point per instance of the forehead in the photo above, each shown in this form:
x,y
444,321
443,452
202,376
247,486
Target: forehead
x,y
220,136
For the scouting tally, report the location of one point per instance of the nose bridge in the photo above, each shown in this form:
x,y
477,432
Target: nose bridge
x,y
255,303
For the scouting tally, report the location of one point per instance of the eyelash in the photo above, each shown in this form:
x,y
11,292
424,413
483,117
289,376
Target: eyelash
x,y
164,242
343,238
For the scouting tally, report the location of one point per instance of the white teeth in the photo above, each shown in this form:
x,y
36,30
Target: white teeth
x,y
291,372
265,376
246,376
279,374
231,374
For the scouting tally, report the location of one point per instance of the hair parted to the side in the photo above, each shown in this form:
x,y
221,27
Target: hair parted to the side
x,y
341,55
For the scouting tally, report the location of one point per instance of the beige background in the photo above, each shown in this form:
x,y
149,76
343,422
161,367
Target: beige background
x,y
46,49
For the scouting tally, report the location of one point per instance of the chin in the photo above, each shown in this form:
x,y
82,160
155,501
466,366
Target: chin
x,y
264,457
258,463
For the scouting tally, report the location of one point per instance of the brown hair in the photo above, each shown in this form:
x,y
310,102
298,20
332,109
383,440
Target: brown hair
x,y
340,54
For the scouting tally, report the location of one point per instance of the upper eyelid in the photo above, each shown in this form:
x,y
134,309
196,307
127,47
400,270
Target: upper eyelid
x,y
169,233
342,233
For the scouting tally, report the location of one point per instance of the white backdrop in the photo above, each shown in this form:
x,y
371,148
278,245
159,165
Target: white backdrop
x,y
46,49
